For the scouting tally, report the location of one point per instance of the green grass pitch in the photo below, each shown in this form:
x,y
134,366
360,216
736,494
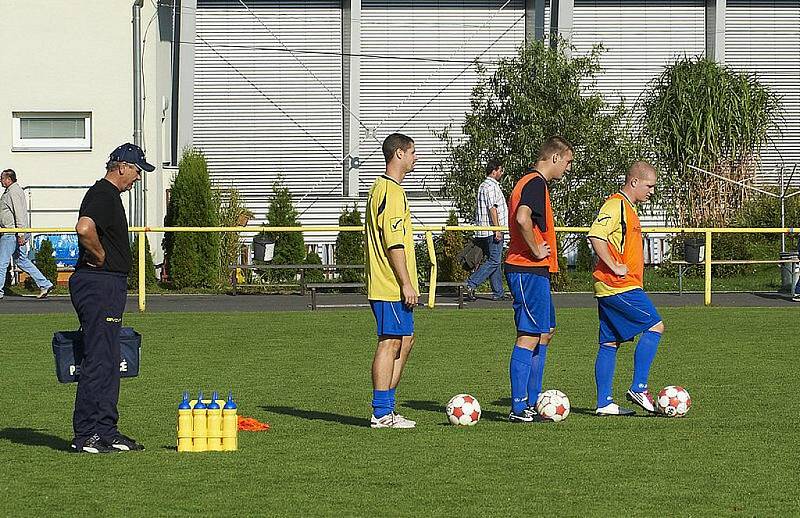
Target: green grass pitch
x,y
737,453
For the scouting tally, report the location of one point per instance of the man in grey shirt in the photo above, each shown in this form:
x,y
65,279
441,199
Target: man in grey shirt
x,y
14,214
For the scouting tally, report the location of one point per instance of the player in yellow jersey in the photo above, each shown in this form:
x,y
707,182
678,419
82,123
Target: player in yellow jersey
x,y
624,308
391,271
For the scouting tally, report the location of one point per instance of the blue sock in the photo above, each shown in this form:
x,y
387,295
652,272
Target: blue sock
x,y
382,402
520,371
604,373
537,373
391,392
643,359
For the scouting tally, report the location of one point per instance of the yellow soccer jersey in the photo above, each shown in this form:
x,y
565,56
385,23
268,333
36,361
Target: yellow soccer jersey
x,y
612,226
388,226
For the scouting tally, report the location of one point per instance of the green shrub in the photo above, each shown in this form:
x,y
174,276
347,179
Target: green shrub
x,y
314,274
450,245
46,264
423,261
583,260
232,213
192,257
350,246
289,246
562,280
150,269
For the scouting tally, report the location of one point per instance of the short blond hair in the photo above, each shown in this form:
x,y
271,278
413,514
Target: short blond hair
x,y
553,145
639,169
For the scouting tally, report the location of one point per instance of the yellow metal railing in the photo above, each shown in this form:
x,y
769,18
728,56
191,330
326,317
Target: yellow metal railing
x,y
428,230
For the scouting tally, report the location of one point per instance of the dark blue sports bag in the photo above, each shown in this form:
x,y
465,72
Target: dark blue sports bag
x,y
68,352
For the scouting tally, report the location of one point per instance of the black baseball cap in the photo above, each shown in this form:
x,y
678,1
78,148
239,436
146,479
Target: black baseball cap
x,y
131,154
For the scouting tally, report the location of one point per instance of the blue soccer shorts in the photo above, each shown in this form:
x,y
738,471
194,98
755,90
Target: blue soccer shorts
x,y
393,318
534,312
625,315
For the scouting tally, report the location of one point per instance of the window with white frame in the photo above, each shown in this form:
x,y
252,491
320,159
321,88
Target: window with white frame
x,y
52,131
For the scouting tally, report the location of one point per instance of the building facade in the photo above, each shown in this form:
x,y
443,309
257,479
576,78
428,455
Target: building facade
x,y
304,91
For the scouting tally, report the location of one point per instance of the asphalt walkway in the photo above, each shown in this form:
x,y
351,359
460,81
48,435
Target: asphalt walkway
x,y
250,303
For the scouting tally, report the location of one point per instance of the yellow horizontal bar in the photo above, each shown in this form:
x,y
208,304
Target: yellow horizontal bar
x,y
421,228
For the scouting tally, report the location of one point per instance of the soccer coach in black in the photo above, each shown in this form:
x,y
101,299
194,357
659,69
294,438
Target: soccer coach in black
x,y
98,290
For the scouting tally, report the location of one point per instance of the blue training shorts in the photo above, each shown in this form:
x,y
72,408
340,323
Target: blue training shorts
x,y
625,315
534,312
393,318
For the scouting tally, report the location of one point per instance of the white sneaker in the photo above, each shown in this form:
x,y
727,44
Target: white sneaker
x,y
643,399
390,421
613,409
398,417
44,292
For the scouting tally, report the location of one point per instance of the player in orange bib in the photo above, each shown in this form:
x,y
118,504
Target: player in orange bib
x,y
531,258
624,309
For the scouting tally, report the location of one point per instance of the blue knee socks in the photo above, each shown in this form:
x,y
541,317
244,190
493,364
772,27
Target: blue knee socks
x,y
382,402
643,359
537,373
604,373
520,371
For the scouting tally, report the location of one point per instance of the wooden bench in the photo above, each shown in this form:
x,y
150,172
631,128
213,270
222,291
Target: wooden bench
x,y
685,265
300,267
313,287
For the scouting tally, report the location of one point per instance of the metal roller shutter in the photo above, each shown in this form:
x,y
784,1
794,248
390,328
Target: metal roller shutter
x,y
417,97
763,36
242,67
640,37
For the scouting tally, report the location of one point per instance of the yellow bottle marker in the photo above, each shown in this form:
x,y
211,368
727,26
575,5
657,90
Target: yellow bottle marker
x,y
214,424
185,424
200,421
230,425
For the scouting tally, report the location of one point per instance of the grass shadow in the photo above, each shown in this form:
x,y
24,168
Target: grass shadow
x,y
427,406
34,437
314,415
438,408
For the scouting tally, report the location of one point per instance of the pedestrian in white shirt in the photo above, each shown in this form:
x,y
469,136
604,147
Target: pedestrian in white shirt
x,y
491,211
14,214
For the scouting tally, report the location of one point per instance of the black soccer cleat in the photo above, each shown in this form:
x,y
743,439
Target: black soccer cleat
x,y
522,417
93,444
125,443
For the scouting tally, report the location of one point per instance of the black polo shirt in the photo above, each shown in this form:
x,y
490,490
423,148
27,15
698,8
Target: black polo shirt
x,y
103,204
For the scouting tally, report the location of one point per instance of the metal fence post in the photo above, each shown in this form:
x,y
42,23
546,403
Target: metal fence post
x,y
708,268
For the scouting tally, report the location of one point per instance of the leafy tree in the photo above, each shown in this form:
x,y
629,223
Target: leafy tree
x,y
289,246
46,263
150,269
539,93
699,112
350,245
192,257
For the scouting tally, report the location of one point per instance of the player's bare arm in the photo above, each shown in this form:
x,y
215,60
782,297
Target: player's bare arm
x,y
397,259
601,249
525,224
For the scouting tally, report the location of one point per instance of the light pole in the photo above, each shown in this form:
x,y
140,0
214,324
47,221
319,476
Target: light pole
x,y
139,187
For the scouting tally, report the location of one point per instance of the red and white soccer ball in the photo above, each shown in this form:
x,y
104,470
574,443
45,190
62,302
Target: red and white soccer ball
x,y
673,401
463,410
553,405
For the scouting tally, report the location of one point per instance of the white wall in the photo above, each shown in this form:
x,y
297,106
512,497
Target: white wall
x,y
74,56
